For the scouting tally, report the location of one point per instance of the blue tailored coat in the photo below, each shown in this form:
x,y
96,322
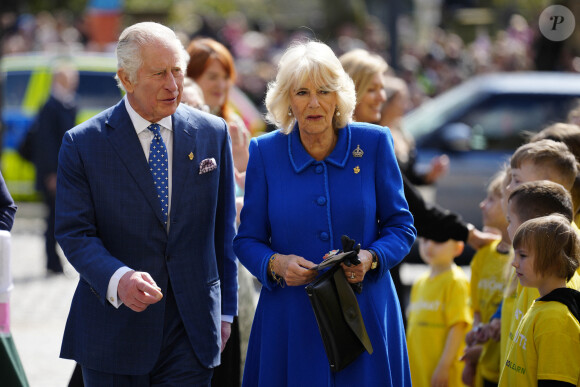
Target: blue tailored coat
x,y
109,216
296,205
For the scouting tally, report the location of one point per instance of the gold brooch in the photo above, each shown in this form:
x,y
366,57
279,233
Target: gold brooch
x,y
356,169
358,152
190,155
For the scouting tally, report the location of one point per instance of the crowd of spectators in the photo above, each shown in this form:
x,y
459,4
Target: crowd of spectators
x,y
429,68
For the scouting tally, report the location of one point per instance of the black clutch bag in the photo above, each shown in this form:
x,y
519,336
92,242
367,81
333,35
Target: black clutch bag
x,y
339,318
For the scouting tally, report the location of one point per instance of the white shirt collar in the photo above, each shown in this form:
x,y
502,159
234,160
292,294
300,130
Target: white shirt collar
x,y
140,123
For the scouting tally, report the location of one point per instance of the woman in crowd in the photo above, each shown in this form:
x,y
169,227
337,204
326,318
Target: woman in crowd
x,y
432,222
316,178
396,105
367,71
212,67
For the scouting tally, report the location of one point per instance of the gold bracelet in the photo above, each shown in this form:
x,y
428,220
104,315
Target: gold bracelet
x,y
278,279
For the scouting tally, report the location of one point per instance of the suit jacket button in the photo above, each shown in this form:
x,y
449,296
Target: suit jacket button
x,y
324,236
321,201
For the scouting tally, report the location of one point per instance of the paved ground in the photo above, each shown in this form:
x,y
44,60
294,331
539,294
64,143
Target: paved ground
x,y
39,305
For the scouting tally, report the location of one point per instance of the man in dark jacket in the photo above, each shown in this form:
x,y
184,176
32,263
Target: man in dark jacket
x,y
56,117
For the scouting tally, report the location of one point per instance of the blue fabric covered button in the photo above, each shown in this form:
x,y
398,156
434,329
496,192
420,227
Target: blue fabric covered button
x,y
324,236
321,201
319,169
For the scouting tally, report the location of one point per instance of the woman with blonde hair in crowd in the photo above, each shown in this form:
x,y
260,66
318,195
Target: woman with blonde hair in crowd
x,y
368,71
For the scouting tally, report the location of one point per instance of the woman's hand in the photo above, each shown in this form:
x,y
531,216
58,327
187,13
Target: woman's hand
x,y
294,269
477,239
356,274
240,145
439,167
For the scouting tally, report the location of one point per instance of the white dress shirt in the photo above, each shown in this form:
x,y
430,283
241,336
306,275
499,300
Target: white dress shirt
x,y
145,136
140,125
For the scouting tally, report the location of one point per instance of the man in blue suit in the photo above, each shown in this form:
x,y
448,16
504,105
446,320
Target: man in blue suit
x,y
158,276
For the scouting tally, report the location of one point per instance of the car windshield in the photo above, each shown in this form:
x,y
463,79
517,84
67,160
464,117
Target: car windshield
x,y
433,114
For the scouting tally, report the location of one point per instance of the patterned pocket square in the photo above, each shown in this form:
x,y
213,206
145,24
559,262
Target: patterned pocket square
x,y
207,165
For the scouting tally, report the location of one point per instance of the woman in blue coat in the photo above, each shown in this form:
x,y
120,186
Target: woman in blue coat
x,y
319,177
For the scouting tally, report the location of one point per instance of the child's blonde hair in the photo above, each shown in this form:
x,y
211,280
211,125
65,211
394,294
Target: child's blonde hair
x,y
551,154
495,184
554,243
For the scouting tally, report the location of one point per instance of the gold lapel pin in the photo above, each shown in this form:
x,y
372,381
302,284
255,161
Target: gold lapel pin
x,y
358,152
356,169
190,155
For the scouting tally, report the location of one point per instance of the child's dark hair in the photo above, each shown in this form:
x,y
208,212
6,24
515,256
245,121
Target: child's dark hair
x,y
541,198
554,244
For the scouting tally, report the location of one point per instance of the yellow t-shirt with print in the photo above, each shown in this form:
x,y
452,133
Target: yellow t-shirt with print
x,y
525,298
436,305
545,346
507,311
488,281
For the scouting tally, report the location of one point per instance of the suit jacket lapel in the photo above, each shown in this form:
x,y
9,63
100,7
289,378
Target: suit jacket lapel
x,y
125,142
184,155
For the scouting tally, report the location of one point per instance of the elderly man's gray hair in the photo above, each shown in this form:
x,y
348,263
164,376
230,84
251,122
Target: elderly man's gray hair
x,y
138,35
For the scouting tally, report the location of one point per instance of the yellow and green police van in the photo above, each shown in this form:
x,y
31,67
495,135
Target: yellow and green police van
x,y
25,82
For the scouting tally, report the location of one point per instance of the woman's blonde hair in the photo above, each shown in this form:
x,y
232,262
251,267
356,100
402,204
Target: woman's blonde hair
x,y
313,61
362,65
554,243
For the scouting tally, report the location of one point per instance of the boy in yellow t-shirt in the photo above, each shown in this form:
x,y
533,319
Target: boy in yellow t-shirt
x,y
438,316
487,285
545,348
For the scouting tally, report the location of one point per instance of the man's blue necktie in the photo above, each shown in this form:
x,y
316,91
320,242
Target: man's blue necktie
x,y
158,164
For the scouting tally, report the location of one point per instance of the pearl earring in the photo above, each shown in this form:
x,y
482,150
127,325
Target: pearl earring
x,y
337,113
289,112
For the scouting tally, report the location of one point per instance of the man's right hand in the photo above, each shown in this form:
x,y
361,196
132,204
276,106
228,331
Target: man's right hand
x,y
137,290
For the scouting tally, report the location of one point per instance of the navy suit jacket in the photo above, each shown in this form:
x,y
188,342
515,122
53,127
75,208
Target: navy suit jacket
x,y
108,215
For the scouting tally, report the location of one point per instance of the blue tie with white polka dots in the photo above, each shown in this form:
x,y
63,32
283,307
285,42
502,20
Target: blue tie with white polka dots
x,y
158,164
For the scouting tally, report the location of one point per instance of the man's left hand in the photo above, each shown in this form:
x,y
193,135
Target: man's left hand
x,y
226,332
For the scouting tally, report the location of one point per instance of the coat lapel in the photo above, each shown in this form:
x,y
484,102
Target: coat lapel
x,y
125,142
184,155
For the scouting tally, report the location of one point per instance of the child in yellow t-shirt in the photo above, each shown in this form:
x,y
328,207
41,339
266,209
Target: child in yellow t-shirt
x,y
487,285
545,348
438,316
527,201
535,161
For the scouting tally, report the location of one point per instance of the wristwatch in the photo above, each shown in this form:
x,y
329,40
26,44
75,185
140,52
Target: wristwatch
x,y
375,261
